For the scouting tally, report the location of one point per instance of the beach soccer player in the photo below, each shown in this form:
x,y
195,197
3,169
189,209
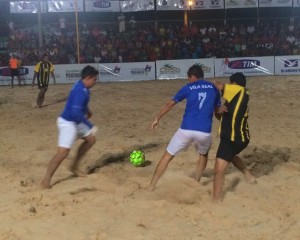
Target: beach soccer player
x,y
234,131
202,100
73,123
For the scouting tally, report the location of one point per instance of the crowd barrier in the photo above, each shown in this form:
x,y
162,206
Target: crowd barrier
x,y
167,69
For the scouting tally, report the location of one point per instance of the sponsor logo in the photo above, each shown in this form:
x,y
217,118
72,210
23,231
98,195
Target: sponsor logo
x,y
243,64
168,68
291,63
6,71
232,3
215,2
249,3
205,69
71,74
110,72
265,1
102,4
140,71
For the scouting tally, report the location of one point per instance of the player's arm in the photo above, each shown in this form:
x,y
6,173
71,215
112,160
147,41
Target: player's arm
x,y
166,108
219,85
53,77
220,110
34,77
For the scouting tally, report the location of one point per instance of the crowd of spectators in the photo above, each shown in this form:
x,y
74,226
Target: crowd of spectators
x,y
144,42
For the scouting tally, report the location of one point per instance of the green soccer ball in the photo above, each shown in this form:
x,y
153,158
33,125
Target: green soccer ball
x,y
137,158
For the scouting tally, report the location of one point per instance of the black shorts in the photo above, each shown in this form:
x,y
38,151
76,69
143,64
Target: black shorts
x,y
14,72
228,149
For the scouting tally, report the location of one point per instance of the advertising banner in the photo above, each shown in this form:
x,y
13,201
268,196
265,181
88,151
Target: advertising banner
x,y
25,73
65,6
275,3
110,72
249,66
241,4
173,69
208,4
26,7
296,3
102,6
172,5
137,5
287,65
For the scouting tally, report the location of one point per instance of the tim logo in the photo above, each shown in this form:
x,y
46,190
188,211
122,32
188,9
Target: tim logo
x,y
291,63
244,64
102,4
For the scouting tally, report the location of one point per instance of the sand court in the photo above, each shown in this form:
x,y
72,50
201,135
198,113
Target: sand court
x,y
110,203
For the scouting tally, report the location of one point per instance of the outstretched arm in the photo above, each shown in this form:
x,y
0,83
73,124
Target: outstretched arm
x,y
166,108
219,85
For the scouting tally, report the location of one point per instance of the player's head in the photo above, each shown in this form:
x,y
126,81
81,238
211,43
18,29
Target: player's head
x,y
196,71
238,78
45,57
89,76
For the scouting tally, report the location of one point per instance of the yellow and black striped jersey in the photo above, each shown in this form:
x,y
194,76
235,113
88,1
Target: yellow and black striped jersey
x,y
43,70
234,124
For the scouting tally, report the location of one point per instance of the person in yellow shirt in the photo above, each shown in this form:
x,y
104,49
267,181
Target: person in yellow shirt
x,y
14,65
42,72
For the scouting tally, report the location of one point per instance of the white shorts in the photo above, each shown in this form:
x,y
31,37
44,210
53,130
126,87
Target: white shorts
x,y
69,132
183,138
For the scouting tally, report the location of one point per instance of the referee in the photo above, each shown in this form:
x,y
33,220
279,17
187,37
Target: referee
x,y
42,72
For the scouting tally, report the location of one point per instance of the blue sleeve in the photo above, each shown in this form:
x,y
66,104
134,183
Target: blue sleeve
x,y
87,122
181,94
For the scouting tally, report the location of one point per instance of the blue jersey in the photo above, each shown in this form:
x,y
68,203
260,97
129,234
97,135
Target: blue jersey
x,y
202,99
77,104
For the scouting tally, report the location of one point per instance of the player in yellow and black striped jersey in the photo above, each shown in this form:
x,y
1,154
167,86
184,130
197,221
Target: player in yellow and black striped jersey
x,y
234,130
42,72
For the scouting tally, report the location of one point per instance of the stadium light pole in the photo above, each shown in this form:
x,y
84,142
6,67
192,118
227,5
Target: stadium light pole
x,y
77,32
186,19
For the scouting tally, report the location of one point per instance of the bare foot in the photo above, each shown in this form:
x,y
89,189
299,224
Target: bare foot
x,y
78,173
45,184
150,188
250,179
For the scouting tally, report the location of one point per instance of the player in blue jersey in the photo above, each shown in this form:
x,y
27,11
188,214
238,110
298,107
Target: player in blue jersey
x,y
202,100
73,123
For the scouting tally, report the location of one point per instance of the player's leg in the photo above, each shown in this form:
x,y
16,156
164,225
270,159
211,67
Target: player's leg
x,y
12,81
219,172
54,163
160,169
89,141
41,97
66,137
203,141
239,164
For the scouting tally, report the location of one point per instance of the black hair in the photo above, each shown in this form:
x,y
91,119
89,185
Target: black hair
x,y
196,71
239,78
89,71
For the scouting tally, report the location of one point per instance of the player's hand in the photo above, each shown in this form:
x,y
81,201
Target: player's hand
x,y
155,123
89,114
222,109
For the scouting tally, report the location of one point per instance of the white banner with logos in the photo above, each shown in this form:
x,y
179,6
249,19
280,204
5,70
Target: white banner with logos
x,y
173,69
208,4
296,3
241,4
69,73
137,71
287,65
26,7
249,66
25,72
65,6
102,6
275,3
137,5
